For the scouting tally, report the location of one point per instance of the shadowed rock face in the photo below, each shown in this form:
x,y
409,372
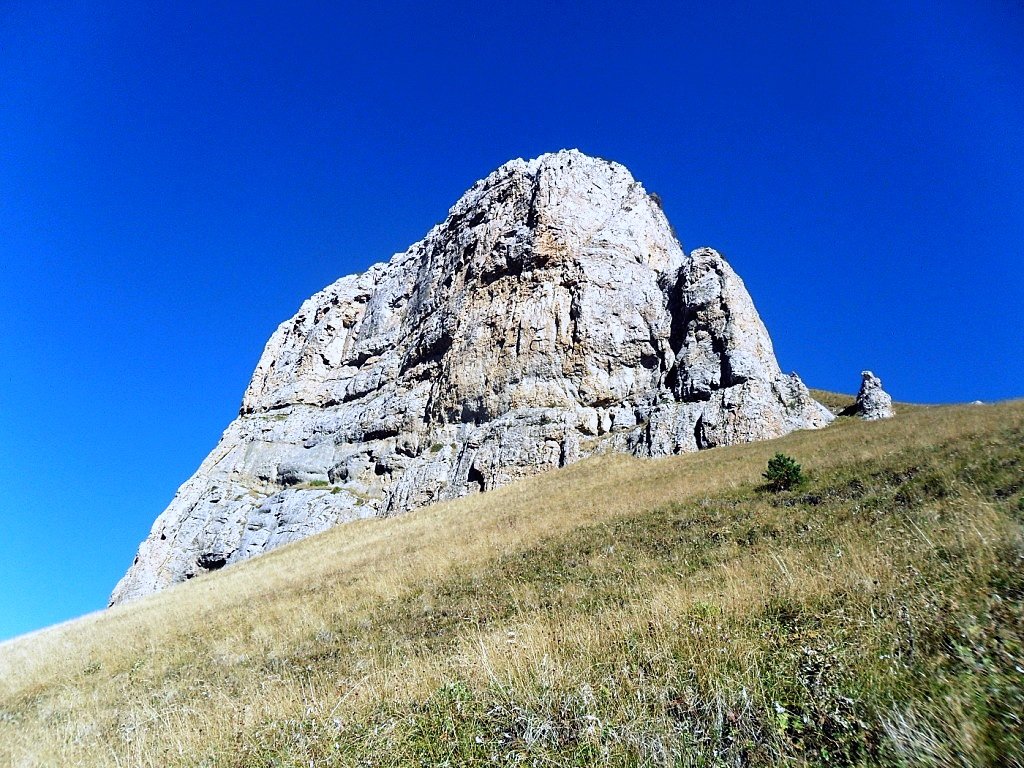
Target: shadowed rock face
x,y
551,316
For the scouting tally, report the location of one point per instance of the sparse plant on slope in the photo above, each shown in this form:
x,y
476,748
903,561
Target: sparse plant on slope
x,y
783,473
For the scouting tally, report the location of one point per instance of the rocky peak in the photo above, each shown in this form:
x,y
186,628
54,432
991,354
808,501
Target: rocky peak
x,y
552,315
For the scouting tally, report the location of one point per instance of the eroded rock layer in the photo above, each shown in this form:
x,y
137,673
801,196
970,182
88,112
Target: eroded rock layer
x,y
551,316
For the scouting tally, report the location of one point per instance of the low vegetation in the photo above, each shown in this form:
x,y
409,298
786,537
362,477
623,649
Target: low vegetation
x,y
618,612
783,473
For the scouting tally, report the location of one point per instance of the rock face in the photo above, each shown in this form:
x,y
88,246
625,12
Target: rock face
x,y
553,315
873,402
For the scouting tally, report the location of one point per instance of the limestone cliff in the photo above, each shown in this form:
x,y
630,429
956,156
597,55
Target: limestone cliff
x,y
551,316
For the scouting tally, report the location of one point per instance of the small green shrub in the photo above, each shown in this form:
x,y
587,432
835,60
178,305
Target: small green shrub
x,y
436,447
318,483
783,473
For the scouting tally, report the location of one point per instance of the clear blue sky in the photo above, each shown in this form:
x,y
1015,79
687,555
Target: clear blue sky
x,y
173,183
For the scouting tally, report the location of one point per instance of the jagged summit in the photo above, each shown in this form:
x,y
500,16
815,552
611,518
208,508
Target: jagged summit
x,y
551,316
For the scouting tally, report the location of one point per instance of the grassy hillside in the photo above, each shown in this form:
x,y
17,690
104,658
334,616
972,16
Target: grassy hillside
x,y
618,612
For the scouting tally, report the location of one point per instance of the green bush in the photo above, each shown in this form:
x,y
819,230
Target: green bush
x,y
783,473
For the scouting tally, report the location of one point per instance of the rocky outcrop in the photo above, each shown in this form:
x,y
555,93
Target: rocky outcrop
x,y
551,316
872,402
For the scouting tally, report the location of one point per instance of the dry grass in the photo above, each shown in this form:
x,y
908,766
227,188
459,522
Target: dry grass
x,y
616,612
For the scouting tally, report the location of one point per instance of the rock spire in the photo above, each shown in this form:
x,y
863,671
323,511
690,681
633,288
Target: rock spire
x,y
872,402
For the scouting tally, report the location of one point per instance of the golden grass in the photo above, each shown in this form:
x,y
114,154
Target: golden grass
x,y
265,662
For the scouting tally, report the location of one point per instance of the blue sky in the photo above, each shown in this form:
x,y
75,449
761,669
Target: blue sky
x,y
174,182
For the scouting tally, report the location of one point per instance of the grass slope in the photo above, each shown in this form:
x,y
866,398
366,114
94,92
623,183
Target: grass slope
x,y
617,612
